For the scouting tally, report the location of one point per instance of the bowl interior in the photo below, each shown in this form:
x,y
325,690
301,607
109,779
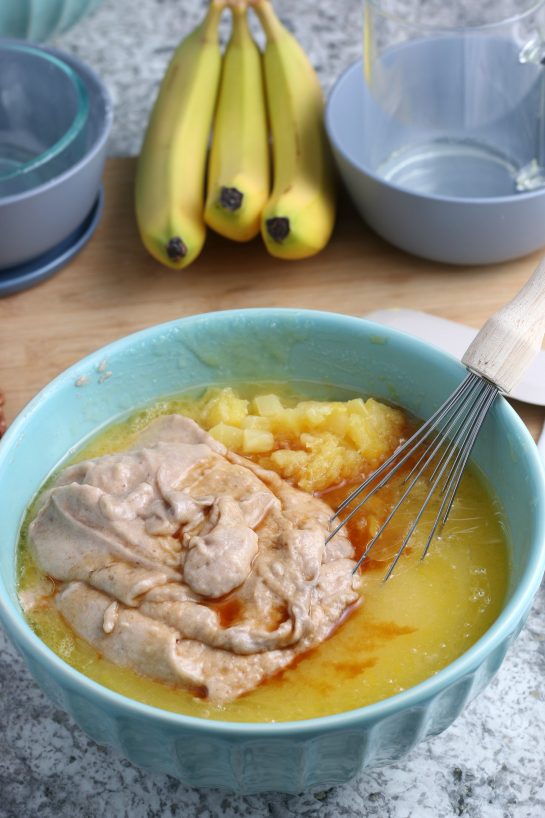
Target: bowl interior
x,y
438,125
43,112
34,221
100,116
319,349
351,106
464,229
345,116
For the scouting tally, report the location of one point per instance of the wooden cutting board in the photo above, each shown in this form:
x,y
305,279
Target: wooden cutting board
x,y
113,288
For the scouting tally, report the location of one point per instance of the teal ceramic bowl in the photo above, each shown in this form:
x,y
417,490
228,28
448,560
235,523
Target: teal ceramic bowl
x,y
254,345
40,19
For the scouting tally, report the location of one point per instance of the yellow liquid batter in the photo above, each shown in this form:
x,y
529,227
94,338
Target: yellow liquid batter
x,y
403,631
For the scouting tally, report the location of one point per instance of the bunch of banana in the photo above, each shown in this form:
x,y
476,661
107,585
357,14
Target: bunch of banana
x,y
281,89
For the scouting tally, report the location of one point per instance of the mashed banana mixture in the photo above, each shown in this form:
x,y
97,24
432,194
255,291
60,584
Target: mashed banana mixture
x,y
146,540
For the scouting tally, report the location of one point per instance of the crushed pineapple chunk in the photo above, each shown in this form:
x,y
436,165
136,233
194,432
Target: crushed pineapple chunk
x,y
225,408
315,444
289,462
267,405
357,431
357,406
255,441
256,422
287,423
314,412
230,436
337,422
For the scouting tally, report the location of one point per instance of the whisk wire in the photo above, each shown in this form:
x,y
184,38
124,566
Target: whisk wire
x,y
450,421
474,399
428,457
470,423
391,514
407,450
453,430
456,448
465,455
417,438
496,359
450,489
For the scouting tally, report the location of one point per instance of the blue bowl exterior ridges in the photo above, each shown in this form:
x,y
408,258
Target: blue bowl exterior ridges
x,y
290,764
39,21
273,344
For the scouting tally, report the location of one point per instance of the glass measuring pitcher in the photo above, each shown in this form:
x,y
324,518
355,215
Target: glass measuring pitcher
x,y
454,96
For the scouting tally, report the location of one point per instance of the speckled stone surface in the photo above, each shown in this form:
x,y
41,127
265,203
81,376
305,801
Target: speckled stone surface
x,y
130,42
489,764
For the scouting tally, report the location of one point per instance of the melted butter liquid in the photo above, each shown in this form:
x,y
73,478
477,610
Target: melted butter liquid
x,y
401,633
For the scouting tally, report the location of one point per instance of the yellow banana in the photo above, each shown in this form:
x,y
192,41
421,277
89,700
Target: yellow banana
x,y
298,218
171,168
238,175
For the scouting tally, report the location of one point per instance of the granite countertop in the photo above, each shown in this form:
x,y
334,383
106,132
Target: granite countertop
x,y
489,764
129,42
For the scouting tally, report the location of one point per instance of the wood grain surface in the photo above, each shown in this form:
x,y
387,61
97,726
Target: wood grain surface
x,y
113,288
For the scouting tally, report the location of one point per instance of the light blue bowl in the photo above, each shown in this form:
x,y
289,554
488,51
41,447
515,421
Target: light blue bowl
x,y
37,218
449,229
44,105
40,19
252,345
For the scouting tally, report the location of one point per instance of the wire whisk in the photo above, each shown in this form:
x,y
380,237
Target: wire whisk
x,y
496,359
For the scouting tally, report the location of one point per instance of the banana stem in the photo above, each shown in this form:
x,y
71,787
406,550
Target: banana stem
x,y
239,16
237,5
240,22
209,26
271,24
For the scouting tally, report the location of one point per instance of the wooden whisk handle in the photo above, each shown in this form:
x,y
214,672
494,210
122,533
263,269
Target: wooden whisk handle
x,y
512,337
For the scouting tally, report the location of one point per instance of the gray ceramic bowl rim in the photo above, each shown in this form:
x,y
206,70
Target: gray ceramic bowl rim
x,y
506,622
330,124
84,72
80,117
